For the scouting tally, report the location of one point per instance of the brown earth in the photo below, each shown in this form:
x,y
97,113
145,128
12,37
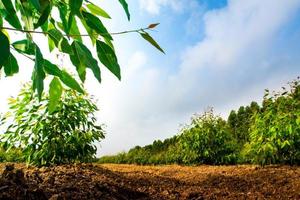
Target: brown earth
x,y
94,181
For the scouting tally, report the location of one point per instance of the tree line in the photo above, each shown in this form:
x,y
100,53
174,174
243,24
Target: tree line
x,y
260,134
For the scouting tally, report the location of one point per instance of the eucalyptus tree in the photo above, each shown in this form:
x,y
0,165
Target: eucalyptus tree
x,y
65,34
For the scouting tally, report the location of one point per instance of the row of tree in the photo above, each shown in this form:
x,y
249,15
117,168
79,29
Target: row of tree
x,y
266,134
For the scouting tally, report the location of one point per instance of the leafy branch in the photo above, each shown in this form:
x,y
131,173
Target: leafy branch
x,y
150,27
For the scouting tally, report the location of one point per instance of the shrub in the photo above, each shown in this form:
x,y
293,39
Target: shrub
x,y
207,140
275,134
64,136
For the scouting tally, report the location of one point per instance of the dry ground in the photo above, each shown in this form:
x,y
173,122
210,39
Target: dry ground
x,y
94,181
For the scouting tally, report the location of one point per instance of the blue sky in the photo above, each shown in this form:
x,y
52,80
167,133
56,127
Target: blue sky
x,y
218,53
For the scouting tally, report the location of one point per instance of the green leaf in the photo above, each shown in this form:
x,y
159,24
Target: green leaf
x,y
67,79
96,24
24,46
44,17
36,4
38,74
97,10
4,48
108,58
55,92
11,66
10,13
125,6
82,59
75,5
147,37
60,42
74,31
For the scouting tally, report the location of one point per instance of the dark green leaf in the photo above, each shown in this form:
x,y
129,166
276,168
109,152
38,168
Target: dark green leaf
x,y
39,74
36,4
60,42
44,17
83,58
4,48
108,58
75,5
11,16
97,10
11,66
55,92
125,6
67,79
96,24
24,46
74,31
147,37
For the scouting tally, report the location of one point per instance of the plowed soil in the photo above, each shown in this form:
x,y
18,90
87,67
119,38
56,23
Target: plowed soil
x,y
93,181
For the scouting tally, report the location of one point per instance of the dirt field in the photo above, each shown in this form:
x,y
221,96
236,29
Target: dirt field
x,y
87,181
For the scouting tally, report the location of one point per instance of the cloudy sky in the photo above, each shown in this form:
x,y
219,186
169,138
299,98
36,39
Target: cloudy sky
x,y
218,53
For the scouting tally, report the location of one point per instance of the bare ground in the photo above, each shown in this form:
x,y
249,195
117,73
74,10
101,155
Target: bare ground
x,y
94,181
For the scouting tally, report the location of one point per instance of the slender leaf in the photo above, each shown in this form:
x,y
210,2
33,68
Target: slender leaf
x,y
125,7
75,5
55,92
83,58
11,16
4,48
96,24
96,10
11,66
147,37
24,46
44,17
108,58
39,74
67,79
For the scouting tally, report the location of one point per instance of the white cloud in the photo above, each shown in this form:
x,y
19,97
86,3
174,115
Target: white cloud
x,y
154,6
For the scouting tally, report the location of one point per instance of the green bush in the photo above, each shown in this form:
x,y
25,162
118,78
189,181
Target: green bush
x,y
64,136
275,133
207,140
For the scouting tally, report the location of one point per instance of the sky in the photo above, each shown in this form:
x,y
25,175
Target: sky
x,y
219,53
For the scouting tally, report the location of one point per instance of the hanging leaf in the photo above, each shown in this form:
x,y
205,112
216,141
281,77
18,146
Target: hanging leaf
x,y
36,4
38,74
83,58
55,92
125,6
4,48
44,17
108,58
67,79
60,42
11,66
24,46
97,10
10,13
96,24
75,5
147,37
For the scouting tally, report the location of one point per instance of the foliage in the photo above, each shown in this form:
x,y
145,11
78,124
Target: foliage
x,y
63,31
275,133
239,123
207,140
267,134
64,136
13,155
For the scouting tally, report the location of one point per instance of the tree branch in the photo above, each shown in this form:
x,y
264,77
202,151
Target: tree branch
x,y
74,35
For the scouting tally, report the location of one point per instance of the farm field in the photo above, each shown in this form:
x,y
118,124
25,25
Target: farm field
x,y
113,181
